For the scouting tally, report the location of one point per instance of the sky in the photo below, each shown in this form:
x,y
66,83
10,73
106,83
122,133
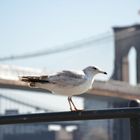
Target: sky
x,y
32,26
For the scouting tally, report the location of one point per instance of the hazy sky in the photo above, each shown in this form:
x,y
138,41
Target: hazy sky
x,y
34,25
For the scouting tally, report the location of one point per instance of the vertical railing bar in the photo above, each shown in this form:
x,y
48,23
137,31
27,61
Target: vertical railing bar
x,y
135,122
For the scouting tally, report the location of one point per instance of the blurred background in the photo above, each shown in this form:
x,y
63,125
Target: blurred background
x,y
42,37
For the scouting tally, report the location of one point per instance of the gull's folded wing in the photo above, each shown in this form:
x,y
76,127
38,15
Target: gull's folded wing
x,y
67,78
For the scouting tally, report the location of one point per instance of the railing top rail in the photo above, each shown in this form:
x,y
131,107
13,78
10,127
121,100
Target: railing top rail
x,y
133,112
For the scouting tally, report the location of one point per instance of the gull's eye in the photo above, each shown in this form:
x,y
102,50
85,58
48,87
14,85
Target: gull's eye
x,y
94,68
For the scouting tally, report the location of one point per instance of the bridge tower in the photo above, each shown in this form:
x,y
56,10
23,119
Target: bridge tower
x,y
125,39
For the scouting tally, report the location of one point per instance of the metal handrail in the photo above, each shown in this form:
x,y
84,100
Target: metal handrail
x,y
133,112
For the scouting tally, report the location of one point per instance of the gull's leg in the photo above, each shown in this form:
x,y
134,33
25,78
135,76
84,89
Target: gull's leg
x,y
69,101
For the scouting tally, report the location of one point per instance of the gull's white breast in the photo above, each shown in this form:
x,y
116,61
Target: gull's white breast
x,y
68,90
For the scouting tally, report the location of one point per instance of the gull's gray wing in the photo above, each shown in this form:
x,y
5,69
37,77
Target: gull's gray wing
x,y
67,78
64,78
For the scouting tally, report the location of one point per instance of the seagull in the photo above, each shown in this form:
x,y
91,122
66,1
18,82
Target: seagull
x,y
65,82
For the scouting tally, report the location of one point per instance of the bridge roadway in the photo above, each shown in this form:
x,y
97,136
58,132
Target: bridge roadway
x,y
111,88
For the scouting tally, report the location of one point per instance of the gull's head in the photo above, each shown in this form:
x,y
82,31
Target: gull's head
x,y
93,70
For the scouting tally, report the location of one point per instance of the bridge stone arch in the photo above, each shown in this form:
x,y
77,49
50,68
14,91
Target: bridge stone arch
x,y
125,39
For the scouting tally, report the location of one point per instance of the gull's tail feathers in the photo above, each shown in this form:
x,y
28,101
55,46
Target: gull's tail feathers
x,y
33,78
29,78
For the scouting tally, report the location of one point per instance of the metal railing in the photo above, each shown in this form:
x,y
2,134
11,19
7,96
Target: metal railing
x,y
132,112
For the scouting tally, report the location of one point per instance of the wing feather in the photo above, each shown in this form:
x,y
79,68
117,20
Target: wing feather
x,y
64,78
67,78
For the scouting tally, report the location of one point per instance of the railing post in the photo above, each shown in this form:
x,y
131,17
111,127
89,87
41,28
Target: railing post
x,y
135,122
